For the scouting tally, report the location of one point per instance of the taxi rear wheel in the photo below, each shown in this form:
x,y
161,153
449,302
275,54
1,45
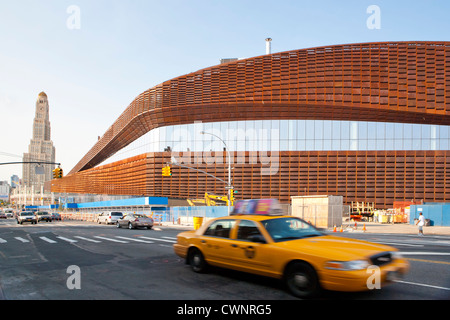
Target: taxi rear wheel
x,y
302,280
197,261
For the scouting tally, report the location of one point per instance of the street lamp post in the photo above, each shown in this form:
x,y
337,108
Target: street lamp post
x,y
229,186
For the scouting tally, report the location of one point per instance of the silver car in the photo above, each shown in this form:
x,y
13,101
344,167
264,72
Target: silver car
x,y
9,213
26,216
134,220
44,215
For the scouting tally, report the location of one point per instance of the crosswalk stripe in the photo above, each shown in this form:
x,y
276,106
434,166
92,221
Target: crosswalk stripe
x,y
118,239
68,240
399,244
132,239
48,240
171,238
87,239
108,239
158,239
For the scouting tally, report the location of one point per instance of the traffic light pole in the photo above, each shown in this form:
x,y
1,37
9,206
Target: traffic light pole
x,y
229,186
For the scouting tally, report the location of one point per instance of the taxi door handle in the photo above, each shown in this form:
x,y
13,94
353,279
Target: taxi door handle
x,y
234,245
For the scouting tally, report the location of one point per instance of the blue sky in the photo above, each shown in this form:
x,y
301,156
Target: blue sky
x,y
125,47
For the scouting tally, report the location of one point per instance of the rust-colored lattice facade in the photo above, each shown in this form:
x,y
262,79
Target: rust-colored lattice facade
x,y
405,82
375,176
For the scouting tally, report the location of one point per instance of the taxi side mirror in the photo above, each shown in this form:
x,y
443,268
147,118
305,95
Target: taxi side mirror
x,y
257,238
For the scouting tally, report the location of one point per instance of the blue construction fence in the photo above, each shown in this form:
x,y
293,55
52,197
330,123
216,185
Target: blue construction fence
x,y
186,214
156,206
438,214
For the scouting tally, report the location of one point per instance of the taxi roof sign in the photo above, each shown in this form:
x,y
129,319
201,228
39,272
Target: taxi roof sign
x,y
269,207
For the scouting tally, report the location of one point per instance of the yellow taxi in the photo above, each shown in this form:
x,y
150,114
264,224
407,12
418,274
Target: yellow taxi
x,y
257,238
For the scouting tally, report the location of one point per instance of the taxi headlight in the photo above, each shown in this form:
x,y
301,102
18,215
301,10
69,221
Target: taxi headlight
x,y
347,265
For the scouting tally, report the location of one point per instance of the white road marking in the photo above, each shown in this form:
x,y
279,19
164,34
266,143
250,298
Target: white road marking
x,y
68,240
132,239
108,239
171,238
399,244
48,240
405,253
87,239
22,239
422,285
158,239
3,240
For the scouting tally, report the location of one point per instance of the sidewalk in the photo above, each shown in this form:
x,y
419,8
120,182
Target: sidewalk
x,y
181,227
397,228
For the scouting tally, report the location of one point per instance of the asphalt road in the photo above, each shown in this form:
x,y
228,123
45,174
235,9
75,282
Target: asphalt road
x,y
37,263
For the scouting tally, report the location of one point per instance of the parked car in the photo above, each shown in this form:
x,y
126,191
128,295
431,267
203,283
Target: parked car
x,y
133,220
2,215
26,216
109,217
9,213
44,215
56,216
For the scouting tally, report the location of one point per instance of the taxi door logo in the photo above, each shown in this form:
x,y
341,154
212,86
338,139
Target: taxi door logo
x,y
250,252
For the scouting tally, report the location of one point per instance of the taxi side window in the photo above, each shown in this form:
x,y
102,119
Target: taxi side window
x,y
246,230
220,228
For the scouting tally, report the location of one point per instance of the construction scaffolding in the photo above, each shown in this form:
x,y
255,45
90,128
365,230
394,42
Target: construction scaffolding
x,y
362,210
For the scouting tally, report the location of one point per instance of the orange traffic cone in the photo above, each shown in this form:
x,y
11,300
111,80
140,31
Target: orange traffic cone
x,y
341,230
364,227
334,229
356,225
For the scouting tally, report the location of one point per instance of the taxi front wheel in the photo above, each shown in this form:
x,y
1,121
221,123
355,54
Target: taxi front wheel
x,y
301,280
197,261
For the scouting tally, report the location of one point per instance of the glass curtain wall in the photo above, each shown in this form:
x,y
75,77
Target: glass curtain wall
x,y
290,135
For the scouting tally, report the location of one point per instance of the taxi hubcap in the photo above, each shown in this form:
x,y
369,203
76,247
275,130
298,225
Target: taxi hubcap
x,y
301,281
197,260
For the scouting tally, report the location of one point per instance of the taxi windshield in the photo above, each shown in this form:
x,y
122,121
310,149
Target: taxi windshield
x,y
284,229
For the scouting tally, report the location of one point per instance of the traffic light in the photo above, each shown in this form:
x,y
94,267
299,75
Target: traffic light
x,y
167,171
232,193
57,173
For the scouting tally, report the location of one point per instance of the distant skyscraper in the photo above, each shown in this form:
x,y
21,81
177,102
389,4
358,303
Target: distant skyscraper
x,y
15,181
40,148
